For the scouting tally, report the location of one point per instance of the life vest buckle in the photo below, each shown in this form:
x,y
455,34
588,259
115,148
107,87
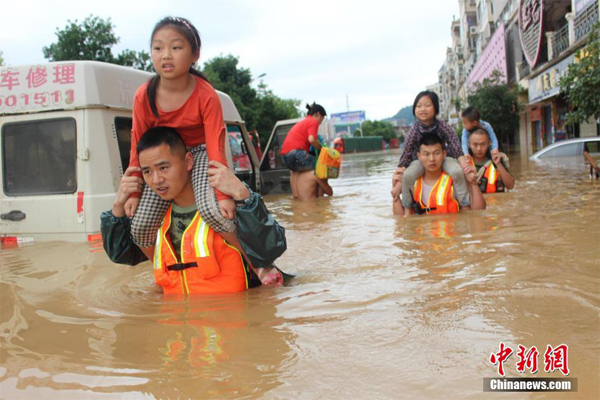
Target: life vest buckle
x,y
420,210
182,266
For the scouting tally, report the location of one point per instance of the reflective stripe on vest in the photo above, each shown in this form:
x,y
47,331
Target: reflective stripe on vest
x,y
199,263
441,197
493,184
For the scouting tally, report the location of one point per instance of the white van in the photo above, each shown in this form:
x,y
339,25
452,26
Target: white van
x,y
65,133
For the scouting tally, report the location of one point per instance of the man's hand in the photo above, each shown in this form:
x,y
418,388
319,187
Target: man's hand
x,y
469,171
123,204
497,158
223,179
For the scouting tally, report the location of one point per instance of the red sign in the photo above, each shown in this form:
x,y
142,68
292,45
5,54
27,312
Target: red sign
x,y
556,358
531,13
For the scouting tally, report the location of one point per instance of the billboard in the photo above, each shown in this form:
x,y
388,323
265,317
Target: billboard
x,y
348,118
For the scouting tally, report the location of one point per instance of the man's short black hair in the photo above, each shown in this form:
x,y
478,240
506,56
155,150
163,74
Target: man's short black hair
x,y
430,139
160,135
471,113
480,131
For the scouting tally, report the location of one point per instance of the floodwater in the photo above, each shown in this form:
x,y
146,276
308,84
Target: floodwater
x,y
383,307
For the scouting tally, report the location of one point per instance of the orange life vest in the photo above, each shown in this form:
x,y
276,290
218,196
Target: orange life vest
x,y
490,182
441,197
208,264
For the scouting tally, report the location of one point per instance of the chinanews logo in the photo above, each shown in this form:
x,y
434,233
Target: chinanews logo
x,y
554,359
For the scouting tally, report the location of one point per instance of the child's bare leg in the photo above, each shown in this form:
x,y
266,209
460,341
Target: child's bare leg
x,y
412,173
396,189
294,184
268,275
452,168
148,252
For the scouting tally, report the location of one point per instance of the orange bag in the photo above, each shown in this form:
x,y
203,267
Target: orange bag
x,y
328,164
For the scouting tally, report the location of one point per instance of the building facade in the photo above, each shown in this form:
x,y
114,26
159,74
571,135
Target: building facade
x,y
531,43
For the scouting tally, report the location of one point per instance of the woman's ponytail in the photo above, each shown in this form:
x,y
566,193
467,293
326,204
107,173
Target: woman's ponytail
x,y
315,108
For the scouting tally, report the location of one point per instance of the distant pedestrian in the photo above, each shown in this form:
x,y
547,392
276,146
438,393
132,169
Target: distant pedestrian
x,y
594,168
296,155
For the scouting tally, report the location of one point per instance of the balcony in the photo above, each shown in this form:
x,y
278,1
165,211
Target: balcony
x,y
585,21
560,41
523,69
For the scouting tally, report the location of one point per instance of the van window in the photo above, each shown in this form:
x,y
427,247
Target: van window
x,y
39,157
239,153
123,129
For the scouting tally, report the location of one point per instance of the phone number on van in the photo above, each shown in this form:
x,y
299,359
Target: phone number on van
x,y
32,100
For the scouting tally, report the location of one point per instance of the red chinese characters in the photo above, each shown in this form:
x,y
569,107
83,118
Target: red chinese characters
x,y
64,74
527,359
36,77
557,359
9,79
500,357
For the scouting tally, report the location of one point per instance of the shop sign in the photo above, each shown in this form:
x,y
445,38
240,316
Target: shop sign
x,y
547,84
531,14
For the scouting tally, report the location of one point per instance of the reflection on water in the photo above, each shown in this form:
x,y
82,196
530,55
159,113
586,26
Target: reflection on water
x,y
383,307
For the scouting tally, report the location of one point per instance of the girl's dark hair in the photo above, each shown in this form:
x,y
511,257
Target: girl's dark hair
x,y
191,34
432,96
314,108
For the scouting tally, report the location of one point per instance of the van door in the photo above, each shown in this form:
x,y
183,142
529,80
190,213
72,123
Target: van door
x,y
275,177
39,174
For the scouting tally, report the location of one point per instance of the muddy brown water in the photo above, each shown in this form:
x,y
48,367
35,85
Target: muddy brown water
x,y
382,308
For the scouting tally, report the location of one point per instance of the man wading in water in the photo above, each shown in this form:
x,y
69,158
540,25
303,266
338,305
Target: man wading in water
x,y
433,193
190,257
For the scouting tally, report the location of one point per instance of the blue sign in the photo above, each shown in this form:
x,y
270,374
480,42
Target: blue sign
x,y
351,117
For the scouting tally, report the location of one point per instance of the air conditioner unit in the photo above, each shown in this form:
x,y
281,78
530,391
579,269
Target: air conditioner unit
x,y
473,30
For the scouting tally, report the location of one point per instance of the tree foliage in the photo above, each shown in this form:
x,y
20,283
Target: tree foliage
x,y
498,104
136,59
260,108
93,39
379,128
1,59
581,83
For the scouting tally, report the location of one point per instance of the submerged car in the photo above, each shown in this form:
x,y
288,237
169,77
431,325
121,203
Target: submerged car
x,y
571,148
569,154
